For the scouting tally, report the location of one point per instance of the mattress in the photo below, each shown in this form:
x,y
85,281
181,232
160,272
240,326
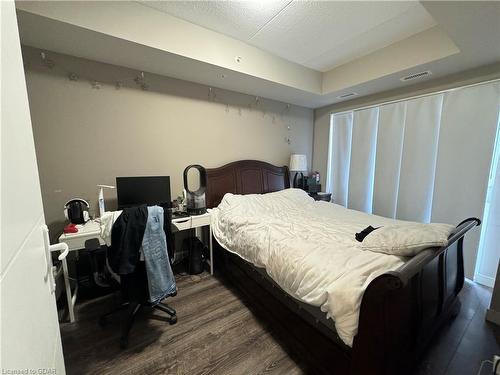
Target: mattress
x,y
307,247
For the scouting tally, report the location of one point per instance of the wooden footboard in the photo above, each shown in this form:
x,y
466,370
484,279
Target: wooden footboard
x,y
401,310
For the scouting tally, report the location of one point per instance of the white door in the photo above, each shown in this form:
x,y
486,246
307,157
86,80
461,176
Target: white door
x,y
29,329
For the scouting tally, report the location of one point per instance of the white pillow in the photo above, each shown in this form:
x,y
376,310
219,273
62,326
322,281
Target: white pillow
x,y
407,239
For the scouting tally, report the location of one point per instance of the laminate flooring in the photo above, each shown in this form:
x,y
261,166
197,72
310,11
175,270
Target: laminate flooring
x,y
220,331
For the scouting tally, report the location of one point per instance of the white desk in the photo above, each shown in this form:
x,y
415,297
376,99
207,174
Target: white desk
x,y
197,222
76,241
91,229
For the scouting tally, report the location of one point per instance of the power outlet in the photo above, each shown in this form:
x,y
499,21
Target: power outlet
x,y
496,358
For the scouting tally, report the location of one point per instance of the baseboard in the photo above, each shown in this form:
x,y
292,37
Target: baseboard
x,y
484,280
493,316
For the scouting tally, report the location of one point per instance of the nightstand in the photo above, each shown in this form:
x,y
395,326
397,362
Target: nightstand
x,y
196,222
327,197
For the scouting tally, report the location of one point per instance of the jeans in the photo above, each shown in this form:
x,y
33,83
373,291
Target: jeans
x,y
161,279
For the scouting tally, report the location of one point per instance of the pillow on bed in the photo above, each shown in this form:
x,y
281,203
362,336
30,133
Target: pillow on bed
x,y
407,239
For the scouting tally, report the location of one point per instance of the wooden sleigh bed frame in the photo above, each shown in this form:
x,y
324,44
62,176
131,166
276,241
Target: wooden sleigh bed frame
x,y
400,310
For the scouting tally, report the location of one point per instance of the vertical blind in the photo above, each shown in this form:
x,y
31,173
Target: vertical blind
x,y
424,159
418,160
391,129
362,166
340,160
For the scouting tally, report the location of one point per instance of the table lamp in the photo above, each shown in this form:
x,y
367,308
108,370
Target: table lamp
x,y
298,164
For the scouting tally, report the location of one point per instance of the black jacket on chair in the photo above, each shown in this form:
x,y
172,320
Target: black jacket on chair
x,y
126,239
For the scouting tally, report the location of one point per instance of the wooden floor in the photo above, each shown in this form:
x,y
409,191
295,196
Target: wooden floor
x,y
466,341
220,332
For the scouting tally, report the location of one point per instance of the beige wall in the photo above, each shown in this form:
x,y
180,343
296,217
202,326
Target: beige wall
x,y
322,115
86,136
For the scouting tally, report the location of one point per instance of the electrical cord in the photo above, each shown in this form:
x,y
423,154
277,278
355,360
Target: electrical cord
x,y
482,364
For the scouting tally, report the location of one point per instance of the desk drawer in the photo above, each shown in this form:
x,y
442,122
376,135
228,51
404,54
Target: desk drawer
x,y
200,220
182,224
78,242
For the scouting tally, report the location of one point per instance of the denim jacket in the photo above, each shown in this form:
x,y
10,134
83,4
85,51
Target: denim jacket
x,y
161,279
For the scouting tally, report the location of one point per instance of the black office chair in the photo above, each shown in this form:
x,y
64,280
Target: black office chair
x,y
135,292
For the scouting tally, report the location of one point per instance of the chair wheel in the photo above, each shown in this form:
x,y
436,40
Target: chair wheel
x,y
173,319
103,321
123,342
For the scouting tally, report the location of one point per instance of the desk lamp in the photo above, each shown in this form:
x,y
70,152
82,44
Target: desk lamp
x,y
102,208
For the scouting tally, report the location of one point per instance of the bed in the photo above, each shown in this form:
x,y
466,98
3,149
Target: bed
x,y
398,311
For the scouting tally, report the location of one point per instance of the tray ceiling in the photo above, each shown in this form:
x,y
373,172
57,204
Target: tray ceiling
x,y
317,34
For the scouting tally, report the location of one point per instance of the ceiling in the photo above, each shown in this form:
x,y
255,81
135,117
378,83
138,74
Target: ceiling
x,y
308,53
317,34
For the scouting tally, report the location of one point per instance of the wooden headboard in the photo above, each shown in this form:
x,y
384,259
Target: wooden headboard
x,y
244,177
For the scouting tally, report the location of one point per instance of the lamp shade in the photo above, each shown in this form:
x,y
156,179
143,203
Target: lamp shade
x,y
298,163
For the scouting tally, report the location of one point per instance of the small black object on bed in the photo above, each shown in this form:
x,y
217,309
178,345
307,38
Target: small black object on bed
x,y
365,232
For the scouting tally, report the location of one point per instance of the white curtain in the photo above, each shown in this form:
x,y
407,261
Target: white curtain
x,y
418,162
422,159
390,135
468,129
362,165
340,156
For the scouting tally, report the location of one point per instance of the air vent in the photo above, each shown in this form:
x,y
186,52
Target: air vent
x,y
348,95
412,77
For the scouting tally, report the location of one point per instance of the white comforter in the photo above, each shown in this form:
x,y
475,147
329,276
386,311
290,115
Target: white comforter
x,y
307,247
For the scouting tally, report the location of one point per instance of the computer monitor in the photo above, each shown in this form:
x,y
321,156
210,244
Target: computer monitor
x,y
149,190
